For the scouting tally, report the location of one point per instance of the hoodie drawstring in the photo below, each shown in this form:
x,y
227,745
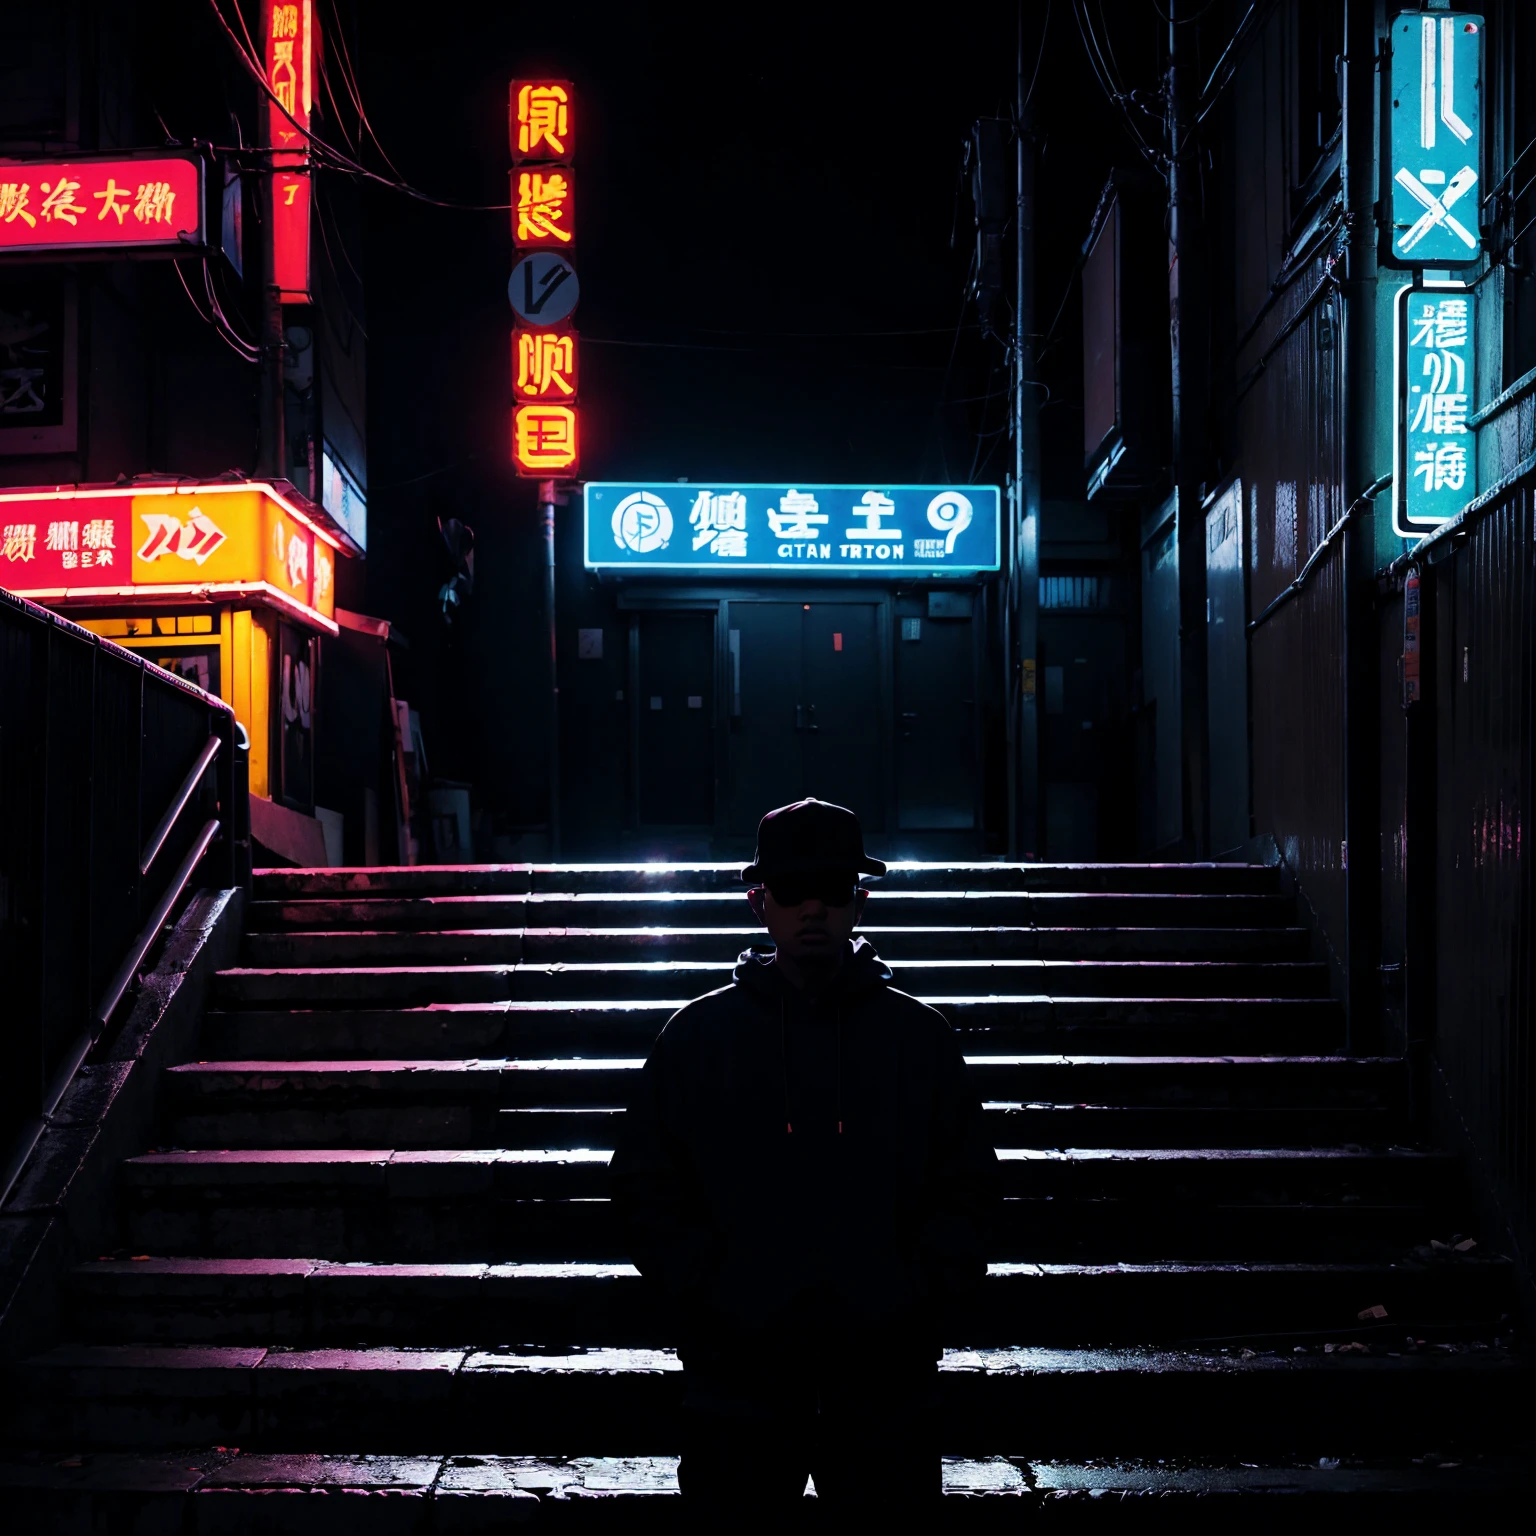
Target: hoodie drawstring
x,y
789,1124
839,1071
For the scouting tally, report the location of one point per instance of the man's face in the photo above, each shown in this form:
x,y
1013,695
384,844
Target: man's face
x,y
810,917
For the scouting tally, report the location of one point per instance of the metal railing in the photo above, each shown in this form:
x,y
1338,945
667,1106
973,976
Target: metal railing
x,y
96,744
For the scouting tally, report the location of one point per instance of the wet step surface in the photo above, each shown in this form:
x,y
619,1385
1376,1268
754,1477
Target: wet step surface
x,y
436,1495
1161,1401
551,1204
340,986
672,879
722,945
315,1302
374,1218
599,1026
728,908
1031,1100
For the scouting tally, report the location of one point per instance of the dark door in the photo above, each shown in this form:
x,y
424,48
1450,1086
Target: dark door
x,y
935,724
806,717
676,705
765,745
840,688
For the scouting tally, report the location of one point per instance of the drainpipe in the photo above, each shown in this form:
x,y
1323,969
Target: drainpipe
x,y
1189,388
1362,683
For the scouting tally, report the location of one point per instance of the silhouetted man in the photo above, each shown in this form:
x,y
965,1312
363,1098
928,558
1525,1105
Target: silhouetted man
x,y
806,1178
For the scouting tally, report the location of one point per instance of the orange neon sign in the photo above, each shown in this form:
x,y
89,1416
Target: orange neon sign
x,y
198,540
541,120
544,439
544,364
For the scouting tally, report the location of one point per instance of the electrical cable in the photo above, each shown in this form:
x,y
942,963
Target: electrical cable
x,y
251,50
1253,17
1106,84
1493,191
325,81
323,151
245,352
355,91
1183,21
325,240
1045,32
218,310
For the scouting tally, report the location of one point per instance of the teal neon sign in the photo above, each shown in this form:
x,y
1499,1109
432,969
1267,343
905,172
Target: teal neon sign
x,y
1435,110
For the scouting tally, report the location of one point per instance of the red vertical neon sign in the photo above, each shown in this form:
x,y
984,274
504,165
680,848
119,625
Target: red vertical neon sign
x,y
289,46
543,125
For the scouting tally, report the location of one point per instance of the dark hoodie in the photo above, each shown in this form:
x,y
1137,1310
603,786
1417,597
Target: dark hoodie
x,y
789,1149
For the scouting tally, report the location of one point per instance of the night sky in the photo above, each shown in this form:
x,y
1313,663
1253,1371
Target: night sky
x,y
773,246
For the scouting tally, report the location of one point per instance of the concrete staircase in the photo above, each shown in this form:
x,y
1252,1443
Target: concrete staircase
x,y
373,1256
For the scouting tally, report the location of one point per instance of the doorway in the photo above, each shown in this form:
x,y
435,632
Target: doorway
x,y
936,717
674,682
805,689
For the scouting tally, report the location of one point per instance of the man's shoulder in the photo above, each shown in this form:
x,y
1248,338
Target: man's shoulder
x,y
920,1018
707,1012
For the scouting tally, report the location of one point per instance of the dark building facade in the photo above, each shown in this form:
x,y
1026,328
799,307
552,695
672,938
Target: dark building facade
x,y
1356,703
152,376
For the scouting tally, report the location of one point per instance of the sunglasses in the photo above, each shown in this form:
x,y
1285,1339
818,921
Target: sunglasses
x,y
833,889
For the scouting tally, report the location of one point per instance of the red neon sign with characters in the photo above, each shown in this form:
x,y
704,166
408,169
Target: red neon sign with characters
x,y
541,119
543,207
112,203
544,439
544,365
543,124
289,50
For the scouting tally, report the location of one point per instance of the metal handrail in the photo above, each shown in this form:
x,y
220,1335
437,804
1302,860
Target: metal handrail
x,y
110,999
141,945
178,805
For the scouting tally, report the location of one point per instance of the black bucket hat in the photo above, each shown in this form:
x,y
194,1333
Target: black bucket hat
x,y
809,835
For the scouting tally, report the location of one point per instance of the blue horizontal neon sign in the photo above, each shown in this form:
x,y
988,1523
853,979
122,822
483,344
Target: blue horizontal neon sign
x,y
805,530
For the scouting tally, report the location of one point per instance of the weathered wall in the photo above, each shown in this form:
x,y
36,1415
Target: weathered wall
x,y
1484,595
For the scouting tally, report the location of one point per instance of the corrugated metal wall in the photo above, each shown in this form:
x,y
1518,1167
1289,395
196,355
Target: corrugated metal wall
x,y
1394,820
1484,593
1288,427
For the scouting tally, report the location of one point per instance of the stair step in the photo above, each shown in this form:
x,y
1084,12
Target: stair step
x,y
516,879
1174,1081
722,945
427,1102
225,1491
461,1126
1082,1173
415,984
1093,1204
1061,1403
313,1302
713,909
1157,1025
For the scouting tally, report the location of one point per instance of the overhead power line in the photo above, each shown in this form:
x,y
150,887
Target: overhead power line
x,y
325,154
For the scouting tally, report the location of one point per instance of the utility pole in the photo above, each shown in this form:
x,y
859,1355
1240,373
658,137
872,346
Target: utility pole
x,y
548,496
1188,344
273,457
1024,513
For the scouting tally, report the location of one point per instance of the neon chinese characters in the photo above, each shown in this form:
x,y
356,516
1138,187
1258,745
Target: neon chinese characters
x,y
114,203
542,122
